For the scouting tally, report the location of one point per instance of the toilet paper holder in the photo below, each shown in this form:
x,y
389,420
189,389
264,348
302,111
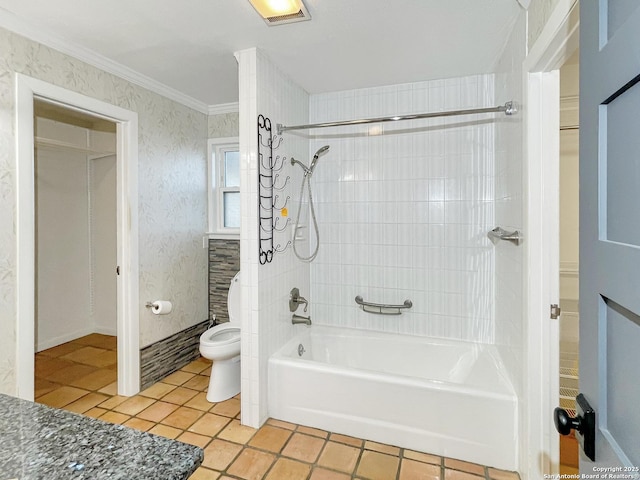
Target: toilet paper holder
x,y
159,307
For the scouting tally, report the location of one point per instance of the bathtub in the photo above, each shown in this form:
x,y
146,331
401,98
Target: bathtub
x,y
438,396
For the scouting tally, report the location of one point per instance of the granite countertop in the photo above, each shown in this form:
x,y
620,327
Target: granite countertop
x,y
39,442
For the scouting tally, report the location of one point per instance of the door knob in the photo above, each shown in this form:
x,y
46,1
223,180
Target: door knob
x,y
584,423
564,422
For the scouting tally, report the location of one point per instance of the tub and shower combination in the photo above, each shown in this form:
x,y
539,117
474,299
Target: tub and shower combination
x,y
432,394
444,397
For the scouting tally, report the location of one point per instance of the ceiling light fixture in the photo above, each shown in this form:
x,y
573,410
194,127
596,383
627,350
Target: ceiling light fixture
x,y
277,12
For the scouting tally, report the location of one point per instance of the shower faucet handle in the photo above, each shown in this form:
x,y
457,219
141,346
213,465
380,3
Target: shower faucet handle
x,y
295,299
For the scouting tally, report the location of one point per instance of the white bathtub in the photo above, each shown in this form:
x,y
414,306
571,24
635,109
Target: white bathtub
x,y
443,397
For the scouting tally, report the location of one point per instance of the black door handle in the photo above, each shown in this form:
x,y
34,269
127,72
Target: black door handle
x,y
584,423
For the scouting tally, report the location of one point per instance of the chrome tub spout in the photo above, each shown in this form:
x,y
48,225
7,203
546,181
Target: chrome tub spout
x,y
298,319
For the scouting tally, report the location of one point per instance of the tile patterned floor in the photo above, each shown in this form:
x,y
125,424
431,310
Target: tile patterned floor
x,y
80,376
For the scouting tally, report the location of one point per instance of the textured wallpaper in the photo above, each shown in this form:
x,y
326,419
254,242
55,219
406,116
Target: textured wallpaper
x,y
538,14
224,125
172,191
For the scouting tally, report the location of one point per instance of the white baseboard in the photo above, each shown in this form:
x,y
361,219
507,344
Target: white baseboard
x,y
67,337
105,331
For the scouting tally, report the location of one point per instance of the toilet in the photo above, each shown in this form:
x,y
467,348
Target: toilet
x,y
222,345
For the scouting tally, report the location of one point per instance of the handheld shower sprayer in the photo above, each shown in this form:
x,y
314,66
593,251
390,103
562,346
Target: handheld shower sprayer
x,y
321,151
308,171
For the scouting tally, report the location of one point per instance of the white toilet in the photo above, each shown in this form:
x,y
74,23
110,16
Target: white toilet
x,y
222,345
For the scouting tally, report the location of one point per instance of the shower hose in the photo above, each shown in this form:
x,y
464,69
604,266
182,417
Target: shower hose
x,y
306,179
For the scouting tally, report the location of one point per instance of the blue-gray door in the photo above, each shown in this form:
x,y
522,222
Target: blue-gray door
x,y
610,229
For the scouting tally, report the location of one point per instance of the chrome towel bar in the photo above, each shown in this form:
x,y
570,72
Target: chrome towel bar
x,y
383,308
499,233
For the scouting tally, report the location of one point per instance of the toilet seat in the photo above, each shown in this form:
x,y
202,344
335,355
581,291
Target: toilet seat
x,y
220,335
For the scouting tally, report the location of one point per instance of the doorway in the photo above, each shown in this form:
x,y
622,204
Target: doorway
x,y
569,247
28,91
75,171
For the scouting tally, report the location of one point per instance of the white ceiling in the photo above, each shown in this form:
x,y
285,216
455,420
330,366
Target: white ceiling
x,y
189,45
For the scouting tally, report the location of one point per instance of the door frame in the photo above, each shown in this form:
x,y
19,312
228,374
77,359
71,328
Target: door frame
x,y
557,41
28,88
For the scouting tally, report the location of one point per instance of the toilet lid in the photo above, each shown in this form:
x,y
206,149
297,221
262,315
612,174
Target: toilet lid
x,y
233,299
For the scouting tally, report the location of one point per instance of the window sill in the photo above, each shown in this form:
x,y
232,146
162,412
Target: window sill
x,y
222,236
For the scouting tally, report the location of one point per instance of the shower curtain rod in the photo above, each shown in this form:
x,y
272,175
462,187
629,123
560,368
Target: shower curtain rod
x,y
508,108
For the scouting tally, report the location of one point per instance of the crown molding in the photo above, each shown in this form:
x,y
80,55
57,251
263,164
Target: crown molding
x,y
11,22
233,107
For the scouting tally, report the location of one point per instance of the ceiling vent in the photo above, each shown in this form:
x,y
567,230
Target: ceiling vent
x,y
279,12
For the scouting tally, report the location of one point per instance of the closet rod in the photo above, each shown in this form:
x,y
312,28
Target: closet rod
x,y
508,108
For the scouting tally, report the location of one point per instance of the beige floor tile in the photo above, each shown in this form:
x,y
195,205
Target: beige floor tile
x,y
287,469
228,408
464,466
42,387
323,474
312,431
86,403
197,365
62,396
413,470
251,464
178,378
139,424
60,350
48,366
158,411
382,448
98,340
270,438
95,412
339,457
115,417
199,382
158,390
113,402
496,474
179,395
422,457
182,418
134,405
219,454
84,354
165,431
204,474
111,389
209,424
96,379
459,475
69,374
281,424
194,439
199,402
106,359
377,466
235,432
354,442
567,470
303,447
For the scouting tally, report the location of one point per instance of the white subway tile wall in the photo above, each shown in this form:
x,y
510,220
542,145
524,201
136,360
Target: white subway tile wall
x,y
404,209
267,323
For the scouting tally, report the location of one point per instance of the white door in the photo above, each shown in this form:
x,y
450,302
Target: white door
x,y
610,231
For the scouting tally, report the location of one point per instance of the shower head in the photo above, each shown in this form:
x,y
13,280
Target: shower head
x,y
321,151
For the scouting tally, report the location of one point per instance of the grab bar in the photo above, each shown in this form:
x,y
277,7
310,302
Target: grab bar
x,y
382,308
499,233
